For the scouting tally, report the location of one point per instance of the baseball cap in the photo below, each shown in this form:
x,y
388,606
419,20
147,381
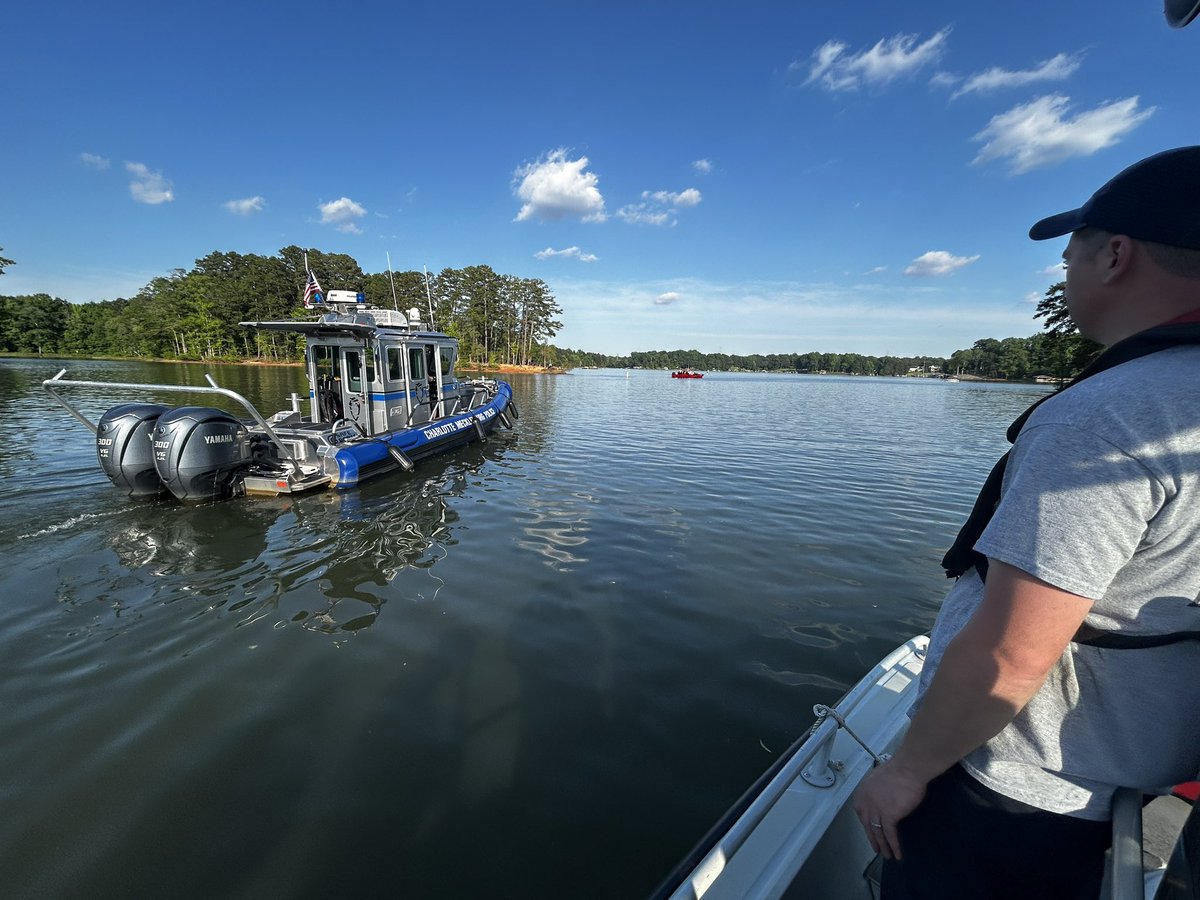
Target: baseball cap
x,y
1156,199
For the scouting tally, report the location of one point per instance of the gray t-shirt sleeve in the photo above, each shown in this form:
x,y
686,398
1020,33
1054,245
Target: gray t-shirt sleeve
x,y
1073,509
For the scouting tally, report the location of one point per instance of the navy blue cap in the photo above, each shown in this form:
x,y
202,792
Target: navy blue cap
x,y
1156,199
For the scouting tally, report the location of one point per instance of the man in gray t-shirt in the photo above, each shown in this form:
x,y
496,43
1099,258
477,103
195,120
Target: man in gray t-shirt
x,y
1004,782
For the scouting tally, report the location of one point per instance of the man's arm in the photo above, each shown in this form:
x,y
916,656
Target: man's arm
x,y
991,669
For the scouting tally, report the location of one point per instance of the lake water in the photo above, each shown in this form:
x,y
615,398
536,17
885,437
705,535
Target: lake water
x,y
538,668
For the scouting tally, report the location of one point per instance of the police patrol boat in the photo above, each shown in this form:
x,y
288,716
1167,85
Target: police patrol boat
x,y
383,394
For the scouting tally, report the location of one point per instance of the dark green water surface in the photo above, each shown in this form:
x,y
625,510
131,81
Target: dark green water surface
x,y
539,668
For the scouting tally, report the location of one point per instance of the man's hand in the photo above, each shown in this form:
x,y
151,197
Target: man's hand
x,y
885,796
988,673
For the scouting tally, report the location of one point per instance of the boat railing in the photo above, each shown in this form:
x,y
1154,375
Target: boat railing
x,y
52,384
408,422
482,390
1125,876
808,759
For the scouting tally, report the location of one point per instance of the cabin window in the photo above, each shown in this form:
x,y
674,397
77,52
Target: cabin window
x,y
369,360
416,363
447,354
324,363
353,372
395,364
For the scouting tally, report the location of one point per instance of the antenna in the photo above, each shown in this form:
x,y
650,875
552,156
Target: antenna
x,y
428,297
395,303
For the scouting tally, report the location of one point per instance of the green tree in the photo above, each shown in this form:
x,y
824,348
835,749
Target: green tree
x,y
36,323
1065,352
5,262
93,329
1012,358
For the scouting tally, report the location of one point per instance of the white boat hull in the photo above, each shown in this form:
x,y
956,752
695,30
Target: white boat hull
x,y
799,836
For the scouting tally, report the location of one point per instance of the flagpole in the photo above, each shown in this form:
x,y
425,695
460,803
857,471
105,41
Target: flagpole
x,y
428,297
391,278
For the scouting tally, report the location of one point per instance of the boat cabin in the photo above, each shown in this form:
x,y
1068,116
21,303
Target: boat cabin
x,y
376,369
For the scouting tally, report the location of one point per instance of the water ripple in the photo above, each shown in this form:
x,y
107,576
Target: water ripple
x,y
629,597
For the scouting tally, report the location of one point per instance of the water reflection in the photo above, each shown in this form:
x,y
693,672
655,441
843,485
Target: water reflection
x,y
618,600
325,562
557,529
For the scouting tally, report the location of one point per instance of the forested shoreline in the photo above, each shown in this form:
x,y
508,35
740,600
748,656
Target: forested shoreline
x,y
498,320
194,314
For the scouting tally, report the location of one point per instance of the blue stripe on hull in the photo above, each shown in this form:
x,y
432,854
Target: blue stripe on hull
x,y
356,461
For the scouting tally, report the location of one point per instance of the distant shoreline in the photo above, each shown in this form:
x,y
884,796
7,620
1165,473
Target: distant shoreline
x,y
499,368
495,369
979,379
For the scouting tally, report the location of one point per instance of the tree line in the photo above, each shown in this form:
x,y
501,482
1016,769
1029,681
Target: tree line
x,y
1058,352
497,319
194,314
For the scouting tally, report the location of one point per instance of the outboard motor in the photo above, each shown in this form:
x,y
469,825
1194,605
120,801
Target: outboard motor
x,y
125,449
198,452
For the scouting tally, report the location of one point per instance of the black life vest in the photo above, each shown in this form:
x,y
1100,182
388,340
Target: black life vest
x,y
962,555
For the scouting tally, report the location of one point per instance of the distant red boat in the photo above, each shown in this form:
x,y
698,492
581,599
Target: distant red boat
x,y
687,373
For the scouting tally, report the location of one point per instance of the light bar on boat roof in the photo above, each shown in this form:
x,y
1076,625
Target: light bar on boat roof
x,y
314,329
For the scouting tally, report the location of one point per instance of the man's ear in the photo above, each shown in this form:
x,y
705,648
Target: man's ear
x,y
1118,256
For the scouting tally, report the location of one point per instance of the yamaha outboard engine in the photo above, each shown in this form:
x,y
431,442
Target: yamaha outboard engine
x,y
198,452
125,449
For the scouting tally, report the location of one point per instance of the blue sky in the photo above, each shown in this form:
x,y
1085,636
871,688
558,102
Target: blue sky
x,y
752,177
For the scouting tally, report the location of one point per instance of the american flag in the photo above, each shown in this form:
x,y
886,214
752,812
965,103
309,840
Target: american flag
x,y
312,292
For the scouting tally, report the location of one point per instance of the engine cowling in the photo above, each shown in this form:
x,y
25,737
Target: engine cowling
x,y
199,451
125,448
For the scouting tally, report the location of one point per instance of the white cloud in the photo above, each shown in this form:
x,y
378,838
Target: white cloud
x,y
889,59
688,197
148,187
643,214
824,57
659,207
668,298
569,252
245,207
1033,297
559,188
1055,270
1058,68
342,213
877,270
702,166
938,262
1039,133
92,161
